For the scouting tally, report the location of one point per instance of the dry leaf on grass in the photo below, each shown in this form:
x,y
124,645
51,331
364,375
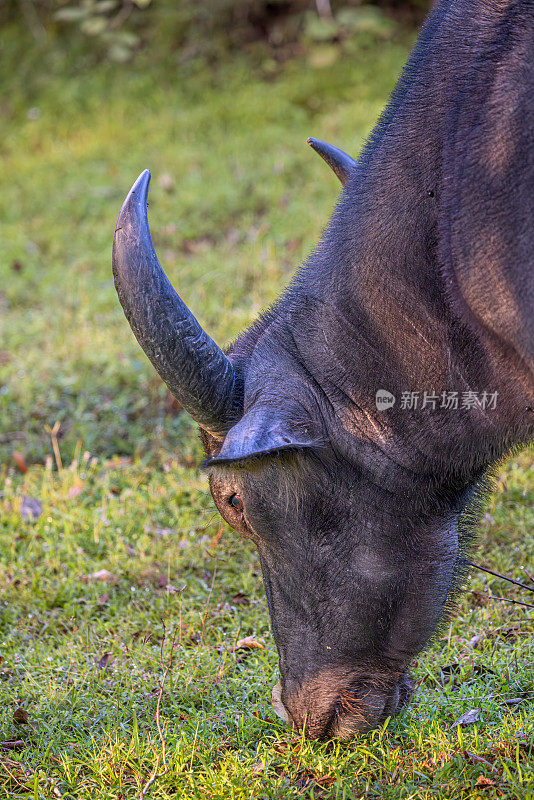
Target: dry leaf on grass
x,y
307,779
15,779
248,643
21,716
284,746
216,539
512,701
31,508
449,671
240,599
74,491
476,759
469,718
483,781
12,744
105,662
19,460
103,575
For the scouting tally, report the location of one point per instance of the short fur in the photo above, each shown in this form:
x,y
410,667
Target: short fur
x,y
423,281
406,292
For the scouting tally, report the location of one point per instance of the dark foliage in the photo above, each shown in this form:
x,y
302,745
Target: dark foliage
x,y
119,27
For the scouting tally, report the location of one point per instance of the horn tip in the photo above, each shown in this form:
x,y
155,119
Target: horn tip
x,y
140,188
320,147
136,199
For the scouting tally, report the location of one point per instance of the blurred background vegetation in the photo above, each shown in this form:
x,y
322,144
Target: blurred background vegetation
x,y
217,98
118,28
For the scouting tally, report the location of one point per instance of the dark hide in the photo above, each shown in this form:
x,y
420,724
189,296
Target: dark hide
x,y
423,281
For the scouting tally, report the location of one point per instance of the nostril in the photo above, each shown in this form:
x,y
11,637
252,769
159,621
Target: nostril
x,y
314,718
358,712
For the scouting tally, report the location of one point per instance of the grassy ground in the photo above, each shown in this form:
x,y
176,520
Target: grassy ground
x,y
85,653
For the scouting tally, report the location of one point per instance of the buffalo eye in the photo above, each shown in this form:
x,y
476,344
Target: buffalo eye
x,y
236,502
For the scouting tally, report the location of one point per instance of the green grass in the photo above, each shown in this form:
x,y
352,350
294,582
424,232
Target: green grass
x,y
249,201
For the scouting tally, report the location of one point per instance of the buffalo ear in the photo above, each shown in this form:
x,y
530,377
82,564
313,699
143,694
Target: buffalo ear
x,y
263,431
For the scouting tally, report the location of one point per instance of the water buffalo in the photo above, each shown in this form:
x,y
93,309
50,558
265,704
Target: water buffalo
x,y
349,430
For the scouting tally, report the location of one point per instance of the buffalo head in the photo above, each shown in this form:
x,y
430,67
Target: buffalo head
x,y
357,572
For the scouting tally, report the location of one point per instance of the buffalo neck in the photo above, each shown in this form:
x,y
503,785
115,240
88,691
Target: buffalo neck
x,y
371,315
374,309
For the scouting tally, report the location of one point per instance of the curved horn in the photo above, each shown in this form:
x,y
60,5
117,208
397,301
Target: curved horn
x,y
194,368
342,164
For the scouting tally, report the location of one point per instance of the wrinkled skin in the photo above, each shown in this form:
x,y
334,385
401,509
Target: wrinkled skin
x,y
359,554
423,281
352,599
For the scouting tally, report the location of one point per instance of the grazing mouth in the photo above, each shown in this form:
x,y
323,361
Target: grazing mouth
x,y
358,708
357,712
